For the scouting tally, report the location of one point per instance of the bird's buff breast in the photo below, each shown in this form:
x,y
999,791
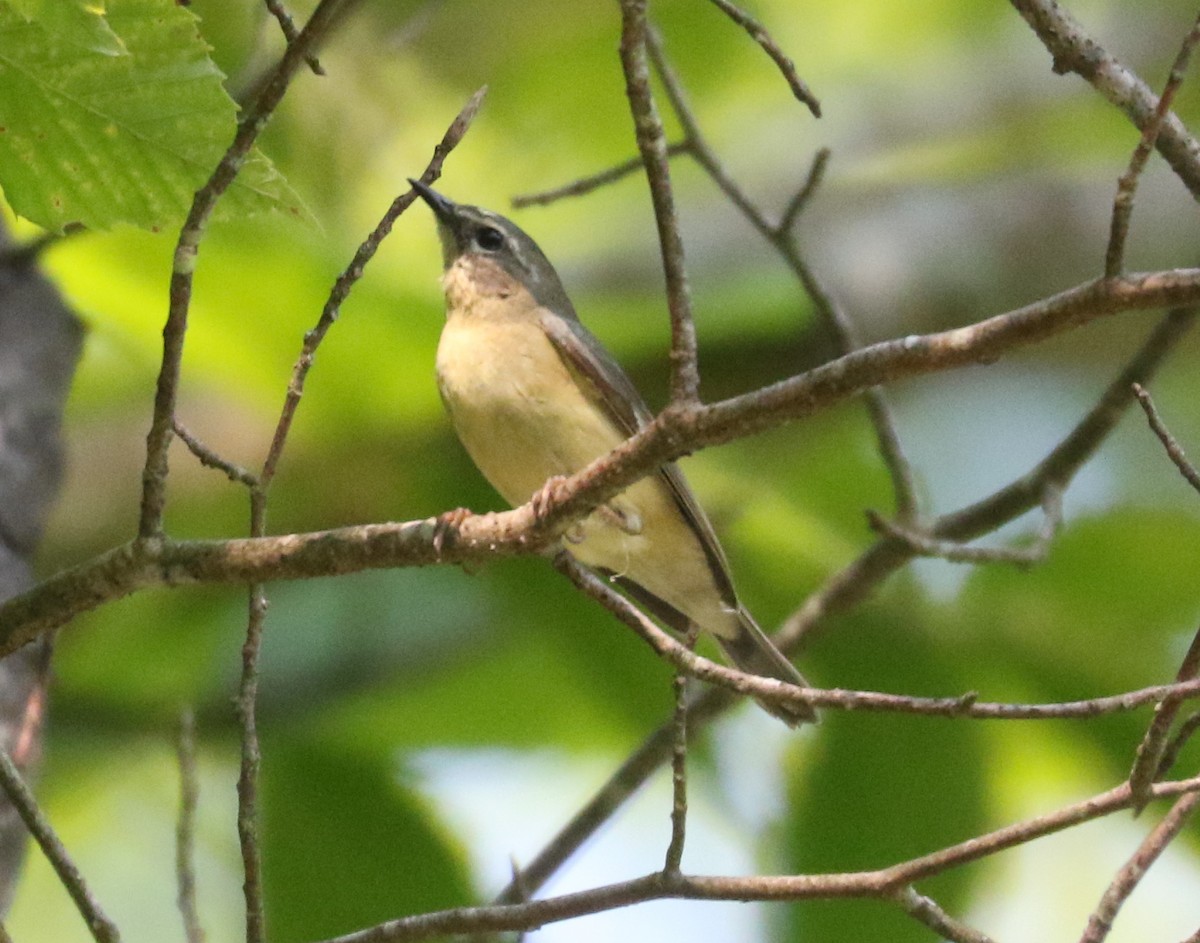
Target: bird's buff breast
x,y
522,417
515,406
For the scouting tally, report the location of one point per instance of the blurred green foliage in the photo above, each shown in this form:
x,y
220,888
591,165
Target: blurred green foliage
x,y
966,178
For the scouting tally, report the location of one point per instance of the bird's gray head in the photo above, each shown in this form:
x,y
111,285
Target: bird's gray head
x,y
492,247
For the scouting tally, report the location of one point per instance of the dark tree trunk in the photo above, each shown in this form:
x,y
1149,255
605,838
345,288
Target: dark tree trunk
x,y
39,345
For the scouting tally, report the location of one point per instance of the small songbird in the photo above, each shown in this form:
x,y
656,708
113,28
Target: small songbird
x,y
533,395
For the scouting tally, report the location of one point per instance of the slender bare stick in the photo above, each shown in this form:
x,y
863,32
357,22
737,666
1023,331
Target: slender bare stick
x,y
652,143
760,35
926,911
277,10
102,929
925,545
1174,449
185,828
586,185
679,805
1170,755
210,459
1132,872
251,760
247,789
1127,186
798,203
1148,760
353,272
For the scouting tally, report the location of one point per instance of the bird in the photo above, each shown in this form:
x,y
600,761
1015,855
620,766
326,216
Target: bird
x,y
534,397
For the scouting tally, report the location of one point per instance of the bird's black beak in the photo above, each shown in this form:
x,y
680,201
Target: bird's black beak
x,y
444,209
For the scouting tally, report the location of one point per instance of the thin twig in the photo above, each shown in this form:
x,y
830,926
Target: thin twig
x,y
210,459
926,911
798,203
247,711
102,929
1148,760
185,828
925,545
251,761
963,705
1101,921
1127,185
1174,449
1077,447
248,690
277,10
586,185
1185,732
652,144
679,804
679,655
760,35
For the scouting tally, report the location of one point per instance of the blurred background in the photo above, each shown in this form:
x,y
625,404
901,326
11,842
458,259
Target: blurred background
x,y
423,730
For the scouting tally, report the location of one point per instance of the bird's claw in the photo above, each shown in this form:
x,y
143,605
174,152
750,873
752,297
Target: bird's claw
x,y
547,496
445,529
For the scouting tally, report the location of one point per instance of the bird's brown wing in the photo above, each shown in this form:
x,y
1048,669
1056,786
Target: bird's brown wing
x,y
616,395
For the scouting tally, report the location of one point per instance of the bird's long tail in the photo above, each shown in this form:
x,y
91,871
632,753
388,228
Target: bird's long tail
x,y
752,652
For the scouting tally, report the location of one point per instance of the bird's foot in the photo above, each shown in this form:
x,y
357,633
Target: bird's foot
x,y
623,516
445,529
547,496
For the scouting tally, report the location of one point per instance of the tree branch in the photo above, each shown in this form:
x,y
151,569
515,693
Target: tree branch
x,y
1131,874
102,929
882,883
1174,450
141,564
652,143
1075,51
1127,186
185,828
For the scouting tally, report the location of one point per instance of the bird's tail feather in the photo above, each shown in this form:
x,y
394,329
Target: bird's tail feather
x,y
752,652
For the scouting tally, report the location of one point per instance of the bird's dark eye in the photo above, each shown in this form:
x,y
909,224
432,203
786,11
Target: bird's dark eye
x,y
489,238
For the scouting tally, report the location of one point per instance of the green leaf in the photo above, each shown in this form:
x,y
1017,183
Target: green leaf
x,y
346,846
98,139
78,22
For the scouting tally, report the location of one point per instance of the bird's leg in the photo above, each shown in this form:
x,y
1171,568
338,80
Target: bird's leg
x,y
621,515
